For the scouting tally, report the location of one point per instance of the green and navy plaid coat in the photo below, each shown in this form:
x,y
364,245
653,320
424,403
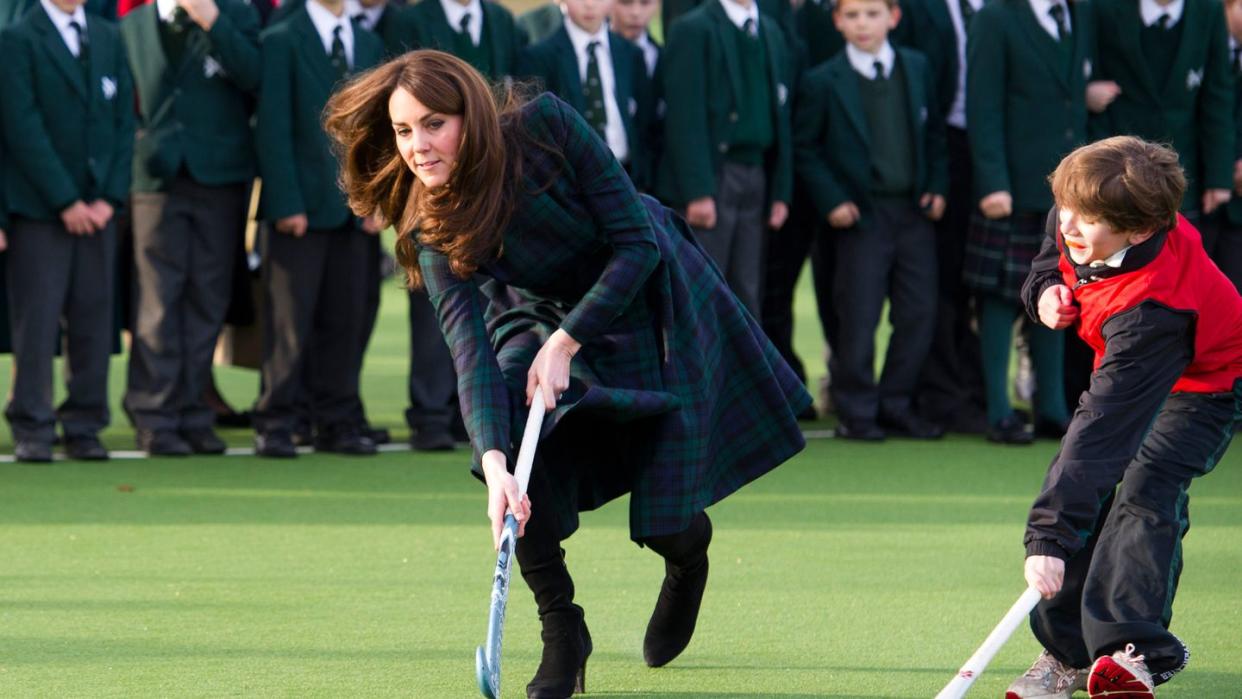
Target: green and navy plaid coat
x,y
676,395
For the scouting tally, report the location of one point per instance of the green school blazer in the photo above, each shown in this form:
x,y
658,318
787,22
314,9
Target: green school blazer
x,y
926,26
426,23
1025,104
1193,110
296,162
555,65
832,140
194,113
390,28
69,133
702,79
13,10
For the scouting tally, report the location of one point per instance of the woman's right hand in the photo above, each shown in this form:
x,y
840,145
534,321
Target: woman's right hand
x,y
502,495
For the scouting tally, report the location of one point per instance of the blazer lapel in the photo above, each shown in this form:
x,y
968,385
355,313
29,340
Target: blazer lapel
x,y
1080,68
441,33
918,102
1042,42
311,47
1179,75
846,81
66,62
1128,26
623,80
723,29
567,64
496,40
368,50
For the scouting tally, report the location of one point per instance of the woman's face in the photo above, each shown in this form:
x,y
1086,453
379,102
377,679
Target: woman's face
x,y
427,141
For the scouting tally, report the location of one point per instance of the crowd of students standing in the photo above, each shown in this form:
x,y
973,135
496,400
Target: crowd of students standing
x,y
903,148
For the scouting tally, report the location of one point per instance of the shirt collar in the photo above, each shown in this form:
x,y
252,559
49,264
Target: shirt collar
x,y
62,19
738,14
1041,7
325,22
579,37
454,11
1151,11
370,15
864,63
165,9
1114,260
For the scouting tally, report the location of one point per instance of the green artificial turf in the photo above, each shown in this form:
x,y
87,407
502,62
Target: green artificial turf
x,y
852,571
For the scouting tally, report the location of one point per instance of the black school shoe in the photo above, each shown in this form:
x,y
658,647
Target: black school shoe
x,y
432,438
860,430
1010,429
908,424
32,452
161,443
345,440
204,440
275,444
85,448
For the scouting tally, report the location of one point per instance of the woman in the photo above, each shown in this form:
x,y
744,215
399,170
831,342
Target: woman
x,y
547,269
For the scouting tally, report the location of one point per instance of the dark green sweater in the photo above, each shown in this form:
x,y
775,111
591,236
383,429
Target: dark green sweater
x,y
1160,49
886,105
754,132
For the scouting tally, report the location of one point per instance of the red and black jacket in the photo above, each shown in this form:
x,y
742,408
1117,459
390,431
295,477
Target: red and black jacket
x,y
1166,320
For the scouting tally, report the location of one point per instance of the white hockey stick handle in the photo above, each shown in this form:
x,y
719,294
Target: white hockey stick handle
x,y
530,437
974,667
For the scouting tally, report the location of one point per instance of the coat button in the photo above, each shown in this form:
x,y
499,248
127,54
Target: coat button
x,y
732,117
1069,134
723,147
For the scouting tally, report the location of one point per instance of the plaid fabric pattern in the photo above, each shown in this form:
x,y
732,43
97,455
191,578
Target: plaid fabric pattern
x,y
999,253
676,396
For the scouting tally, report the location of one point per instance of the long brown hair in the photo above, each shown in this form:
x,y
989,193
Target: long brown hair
x,y
465,219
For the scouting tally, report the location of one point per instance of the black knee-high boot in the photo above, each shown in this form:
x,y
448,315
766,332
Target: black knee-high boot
x,y
566,641
685,578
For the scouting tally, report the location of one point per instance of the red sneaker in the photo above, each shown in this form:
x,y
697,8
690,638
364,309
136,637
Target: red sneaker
x,y
1122,675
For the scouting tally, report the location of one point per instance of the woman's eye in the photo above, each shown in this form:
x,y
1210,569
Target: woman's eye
x,y
403,132
433,125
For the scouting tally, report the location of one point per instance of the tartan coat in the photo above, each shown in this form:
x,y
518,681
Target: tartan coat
x,y
676,395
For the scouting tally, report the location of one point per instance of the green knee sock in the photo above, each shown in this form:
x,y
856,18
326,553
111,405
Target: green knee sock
x,y
995,340
1048,358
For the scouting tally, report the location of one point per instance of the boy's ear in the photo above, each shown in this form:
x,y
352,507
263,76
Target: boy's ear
x,y
1137,238
894,16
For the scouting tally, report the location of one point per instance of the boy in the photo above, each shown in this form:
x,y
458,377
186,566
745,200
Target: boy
x,y
601,75
480,32
316,263
1170,61
68,128
1026,103
727,158
1103,539
870,150
630,19
195,66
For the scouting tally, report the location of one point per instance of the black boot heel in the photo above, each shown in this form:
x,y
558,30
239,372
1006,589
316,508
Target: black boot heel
x,y
685,578
566,647
580,683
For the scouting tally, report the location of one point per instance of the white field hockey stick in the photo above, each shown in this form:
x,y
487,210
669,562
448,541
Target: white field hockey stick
x,y
487,658
956,689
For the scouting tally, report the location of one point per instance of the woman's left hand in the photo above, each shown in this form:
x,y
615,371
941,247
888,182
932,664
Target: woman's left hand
x,y
550,369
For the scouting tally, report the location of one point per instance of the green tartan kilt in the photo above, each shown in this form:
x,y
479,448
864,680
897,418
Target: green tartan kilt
x,y
999,253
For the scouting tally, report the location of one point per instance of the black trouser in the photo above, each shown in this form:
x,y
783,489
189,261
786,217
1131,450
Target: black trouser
x,y
1222,239
185,240
885,257
787,253
1119,589
55,275
433,380
951,380
315,296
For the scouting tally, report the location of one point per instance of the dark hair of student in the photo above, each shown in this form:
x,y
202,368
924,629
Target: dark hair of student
x,y
1132,185
464,219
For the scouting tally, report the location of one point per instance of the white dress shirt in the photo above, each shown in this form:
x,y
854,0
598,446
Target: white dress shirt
x,y
165,9
60,19
454,11
738,14
1150,11
614,129
957,112
864,63
368,17
326,23
1042,8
